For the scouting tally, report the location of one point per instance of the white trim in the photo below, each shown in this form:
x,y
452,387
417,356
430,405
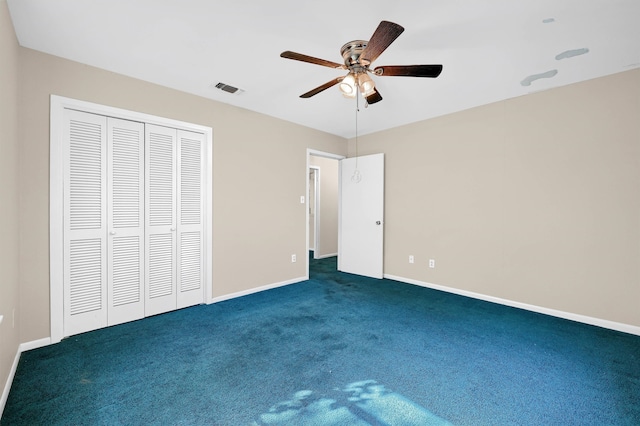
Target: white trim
x,y
56,219
9,382
208,224
338,265
324,256
57,106
316,208
258,289
34,344
14,367
612,325
93,108
324,154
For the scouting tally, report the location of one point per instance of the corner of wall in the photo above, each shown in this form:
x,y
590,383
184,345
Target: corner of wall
x,y
9,201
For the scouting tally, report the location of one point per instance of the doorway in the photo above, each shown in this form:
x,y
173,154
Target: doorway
x,y
322,204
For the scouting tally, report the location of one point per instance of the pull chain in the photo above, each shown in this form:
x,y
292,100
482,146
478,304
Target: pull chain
x,y
357,177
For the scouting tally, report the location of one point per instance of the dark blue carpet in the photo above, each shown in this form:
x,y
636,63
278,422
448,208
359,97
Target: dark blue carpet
x,y
335,350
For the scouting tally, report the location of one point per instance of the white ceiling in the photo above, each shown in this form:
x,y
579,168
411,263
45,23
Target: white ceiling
x,y
488,49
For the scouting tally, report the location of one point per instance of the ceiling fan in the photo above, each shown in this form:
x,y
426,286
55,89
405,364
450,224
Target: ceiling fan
x,y
358,56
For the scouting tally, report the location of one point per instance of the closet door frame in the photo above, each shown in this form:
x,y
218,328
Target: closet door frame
x,y
56,195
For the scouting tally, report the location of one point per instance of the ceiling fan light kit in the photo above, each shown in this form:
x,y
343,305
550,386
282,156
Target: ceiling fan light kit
x,y
348,86
358,56
366,84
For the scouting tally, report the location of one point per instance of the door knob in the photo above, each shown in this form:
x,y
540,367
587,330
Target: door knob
x,y
378,222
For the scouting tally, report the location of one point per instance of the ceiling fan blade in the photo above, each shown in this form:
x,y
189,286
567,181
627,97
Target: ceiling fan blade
x,y
374,97
321,88
409,70
310,59
383,36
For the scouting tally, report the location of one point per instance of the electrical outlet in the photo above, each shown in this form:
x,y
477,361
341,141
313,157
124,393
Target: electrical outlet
x,y
432,263
411,258
293,258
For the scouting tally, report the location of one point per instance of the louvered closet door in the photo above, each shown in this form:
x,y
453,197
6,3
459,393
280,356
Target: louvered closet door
x,y
190,273
160,203
125,172
85,222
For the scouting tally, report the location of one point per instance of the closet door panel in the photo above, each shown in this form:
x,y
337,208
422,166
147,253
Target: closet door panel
x,y
125,160
160,204
85,222
190,247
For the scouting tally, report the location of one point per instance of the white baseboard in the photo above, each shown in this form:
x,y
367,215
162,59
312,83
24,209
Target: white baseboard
x,y
22,348
256,290
612,325
324,256
7,385
34,344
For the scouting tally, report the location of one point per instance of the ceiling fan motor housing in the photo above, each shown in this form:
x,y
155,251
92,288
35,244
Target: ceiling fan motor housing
x,y
351,54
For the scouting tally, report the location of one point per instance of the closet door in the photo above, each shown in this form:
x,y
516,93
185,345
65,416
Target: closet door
x,y
160,203
125,247
190,231
85,222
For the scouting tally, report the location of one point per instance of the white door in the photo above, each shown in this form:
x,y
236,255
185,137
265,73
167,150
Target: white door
x,y
362,215
160,202
190,230
85,222
125,243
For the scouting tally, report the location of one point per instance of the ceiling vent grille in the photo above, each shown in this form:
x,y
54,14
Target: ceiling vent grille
x,y
228,88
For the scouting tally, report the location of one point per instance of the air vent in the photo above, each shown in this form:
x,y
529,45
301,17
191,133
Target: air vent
x,y
228,88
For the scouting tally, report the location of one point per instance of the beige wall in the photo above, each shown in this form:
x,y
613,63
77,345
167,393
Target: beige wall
x,y
328,240
9,218
247,253
535,199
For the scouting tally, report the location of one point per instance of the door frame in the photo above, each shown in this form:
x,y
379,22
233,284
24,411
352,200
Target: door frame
x,y
324,154
56,192
316,206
